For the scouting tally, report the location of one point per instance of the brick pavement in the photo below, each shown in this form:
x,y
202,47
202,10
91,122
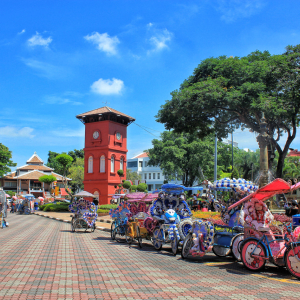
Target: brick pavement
x,y
41,259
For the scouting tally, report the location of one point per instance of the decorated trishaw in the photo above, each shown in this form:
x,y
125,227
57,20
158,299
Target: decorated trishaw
x,y
265,240
222,237
23,205
229,235
3,209
172,215
84,215
140,224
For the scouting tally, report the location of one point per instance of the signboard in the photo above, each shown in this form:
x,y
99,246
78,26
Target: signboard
x,y
56,191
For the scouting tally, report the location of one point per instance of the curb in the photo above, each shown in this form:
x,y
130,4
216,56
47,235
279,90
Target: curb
x,y
67,221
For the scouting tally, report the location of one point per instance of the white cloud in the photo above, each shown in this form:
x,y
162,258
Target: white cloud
x,y
160,40
149,24
232,10
22,31
104,42
38,40
10,131
65,132
107,86
59,100
46,70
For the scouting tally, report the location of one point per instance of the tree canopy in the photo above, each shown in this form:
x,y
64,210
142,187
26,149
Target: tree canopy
x,y
226,93
132,175
5,160
76,172
47,179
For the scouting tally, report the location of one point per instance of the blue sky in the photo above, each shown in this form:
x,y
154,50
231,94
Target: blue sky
x,y
62,58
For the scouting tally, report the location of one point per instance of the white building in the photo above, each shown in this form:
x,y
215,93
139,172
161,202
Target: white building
x,y
153,176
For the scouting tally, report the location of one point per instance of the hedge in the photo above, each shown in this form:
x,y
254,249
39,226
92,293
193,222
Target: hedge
x,y
60,206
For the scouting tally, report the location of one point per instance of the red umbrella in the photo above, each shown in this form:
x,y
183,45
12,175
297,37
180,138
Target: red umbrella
x,y
277,186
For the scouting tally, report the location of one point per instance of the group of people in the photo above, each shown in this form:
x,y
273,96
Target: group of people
x,y
206,205
291,208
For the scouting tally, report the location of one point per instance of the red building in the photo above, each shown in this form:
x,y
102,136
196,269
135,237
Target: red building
x,y
105,150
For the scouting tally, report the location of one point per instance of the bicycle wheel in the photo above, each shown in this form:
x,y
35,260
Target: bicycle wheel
x,y
157,239
253,263
119,233
236,246
112,227
292,260
129,234
174,243
187,245
72,225
221,251
138,236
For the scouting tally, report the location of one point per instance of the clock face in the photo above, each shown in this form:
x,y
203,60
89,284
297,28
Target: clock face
x,y
95,135
118,135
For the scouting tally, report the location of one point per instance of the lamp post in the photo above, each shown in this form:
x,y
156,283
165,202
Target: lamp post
x,y
263,140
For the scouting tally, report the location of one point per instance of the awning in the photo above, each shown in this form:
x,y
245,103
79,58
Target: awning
x,y
277,186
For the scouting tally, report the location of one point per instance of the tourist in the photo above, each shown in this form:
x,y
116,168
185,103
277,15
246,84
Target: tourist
x,y
96,202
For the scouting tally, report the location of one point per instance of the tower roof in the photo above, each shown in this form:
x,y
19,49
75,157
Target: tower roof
x,y
34,159
104,110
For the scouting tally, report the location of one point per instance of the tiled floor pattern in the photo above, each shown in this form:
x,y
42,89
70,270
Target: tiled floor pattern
x,y
41,259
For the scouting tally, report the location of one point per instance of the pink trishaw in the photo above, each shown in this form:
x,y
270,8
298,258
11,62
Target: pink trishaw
x,y
264,239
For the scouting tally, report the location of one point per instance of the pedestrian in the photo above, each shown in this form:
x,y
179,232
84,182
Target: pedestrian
x,y
96,202
12,210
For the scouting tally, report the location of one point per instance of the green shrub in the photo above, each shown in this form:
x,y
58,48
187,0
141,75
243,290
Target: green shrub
x,y
60,206
103,211
133,188
108,206
142,187
126,184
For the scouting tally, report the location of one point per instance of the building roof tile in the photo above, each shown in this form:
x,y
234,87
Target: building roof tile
x,y
144,154
34,159
102,110
35,167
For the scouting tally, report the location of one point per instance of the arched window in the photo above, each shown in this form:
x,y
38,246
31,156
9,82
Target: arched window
x,y
121,163
102,164
90,165
96,193
112,164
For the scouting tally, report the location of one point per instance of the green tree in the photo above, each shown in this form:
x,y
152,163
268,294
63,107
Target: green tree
x,y
183,156
130,175
53,163
75,154
133,188
76,172
126,185
48,179
120,173
227,93
65,161
5,160
235,173
142,187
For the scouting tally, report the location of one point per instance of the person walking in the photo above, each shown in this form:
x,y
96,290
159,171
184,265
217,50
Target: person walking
x,y
96,202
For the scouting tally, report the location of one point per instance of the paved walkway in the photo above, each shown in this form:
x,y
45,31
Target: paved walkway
x,y
103,222
41,259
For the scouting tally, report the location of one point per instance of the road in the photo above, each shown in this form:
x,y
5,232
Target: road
x,y
41,259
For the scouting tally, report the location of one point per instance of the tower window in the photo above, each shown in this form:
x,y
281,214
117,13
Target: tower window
x,y
112,164
102,164
121,163
90,164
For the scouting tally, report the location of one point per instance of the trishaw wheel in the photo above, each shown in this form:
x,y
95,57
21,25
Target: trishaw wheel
x,y
174,243
118,234
138,237
93,227
157,239
292,260
129,235
187,245
236,246
112,227
72,225
253,263
221,251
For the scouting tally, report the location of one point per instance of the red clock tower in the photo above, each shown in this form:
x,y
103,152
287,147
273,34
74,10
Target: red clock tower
x,y
105,150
